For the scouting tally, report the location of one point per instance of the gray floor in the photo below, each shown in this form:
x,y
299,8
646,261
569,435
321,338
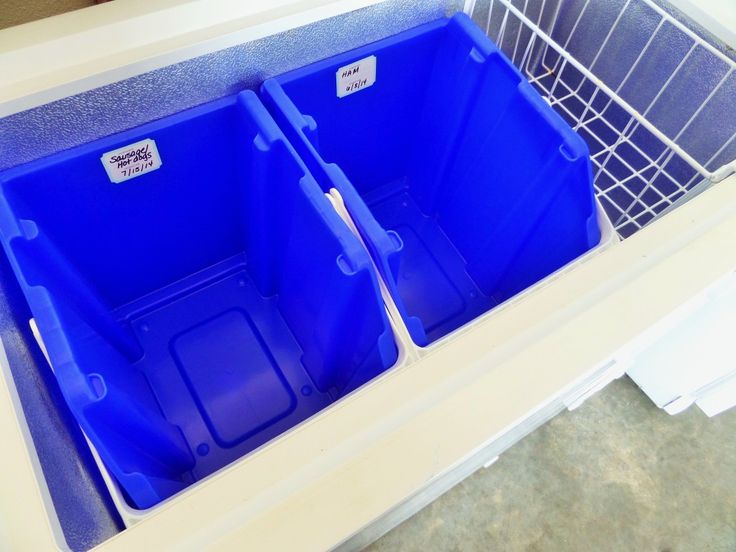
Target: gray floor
x,y
616,474
15,12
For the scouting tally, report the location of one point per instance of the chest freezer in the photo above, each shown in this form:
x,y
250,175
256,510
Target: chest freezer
x,y
649,90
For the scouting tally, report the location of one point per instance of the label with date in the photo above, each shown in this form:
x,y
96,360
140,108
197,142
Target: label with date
x,y
132,160
356,76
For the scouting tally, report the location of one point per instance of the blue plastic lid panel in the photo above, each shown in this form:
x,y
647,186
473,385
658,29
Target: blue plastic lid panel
x,y
196,311
465,184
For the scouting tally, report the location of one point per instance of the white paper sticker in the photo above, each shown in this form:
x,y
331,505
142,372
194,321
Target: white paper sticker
x,y
356,76
132,160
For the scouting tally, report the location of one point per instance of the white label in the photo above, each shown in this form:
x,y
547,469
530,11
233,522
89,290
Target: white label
x,y
132,160
356,76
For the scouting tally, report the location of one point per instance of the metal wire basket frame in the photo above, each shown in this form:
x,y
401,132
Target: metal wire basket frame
x,y
645,160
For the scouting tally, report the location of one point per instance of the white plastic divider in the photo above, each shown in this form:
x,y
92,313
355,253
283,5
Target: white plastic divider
x,y
408,351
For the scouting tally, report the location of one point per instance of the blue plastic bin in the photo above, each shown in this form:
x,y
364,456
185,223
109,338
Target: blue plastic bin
x,y
465,184
195,311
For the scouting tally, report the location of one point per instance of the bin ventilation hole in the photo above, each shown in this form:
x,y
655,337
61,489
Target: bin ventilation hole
x,y
203,449
345,265
97,385
567,153
144,327
306,390
28,228
242,282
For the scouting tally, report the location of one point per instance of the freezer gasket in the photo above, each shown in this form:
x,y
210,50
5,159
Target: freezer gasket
x,y
655,101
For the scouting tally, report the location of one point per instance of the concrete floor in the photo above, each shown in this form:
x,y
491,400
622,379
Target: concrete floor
x,y
615,474
15,12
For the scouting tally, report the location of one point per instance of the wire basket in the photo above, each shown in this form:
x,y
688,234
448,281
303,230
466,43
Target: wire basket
x,y
655,102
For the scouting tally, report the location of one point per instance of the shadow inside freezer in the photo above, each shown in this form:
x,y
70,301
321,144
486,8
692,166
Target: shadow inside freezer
x,y
195,290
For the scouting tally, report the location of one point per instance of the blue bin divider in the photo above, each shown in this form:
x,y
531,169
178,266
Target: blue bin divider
x,y
196,311
466,186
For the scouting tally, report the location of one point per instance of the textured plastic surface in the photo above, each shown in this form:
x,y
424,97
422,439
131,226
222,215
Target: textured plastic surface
x,y
194,312
466,186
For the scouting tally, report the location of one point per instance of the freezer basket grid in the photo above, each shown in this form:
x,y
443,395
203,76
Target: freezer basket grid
x,y
655,102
